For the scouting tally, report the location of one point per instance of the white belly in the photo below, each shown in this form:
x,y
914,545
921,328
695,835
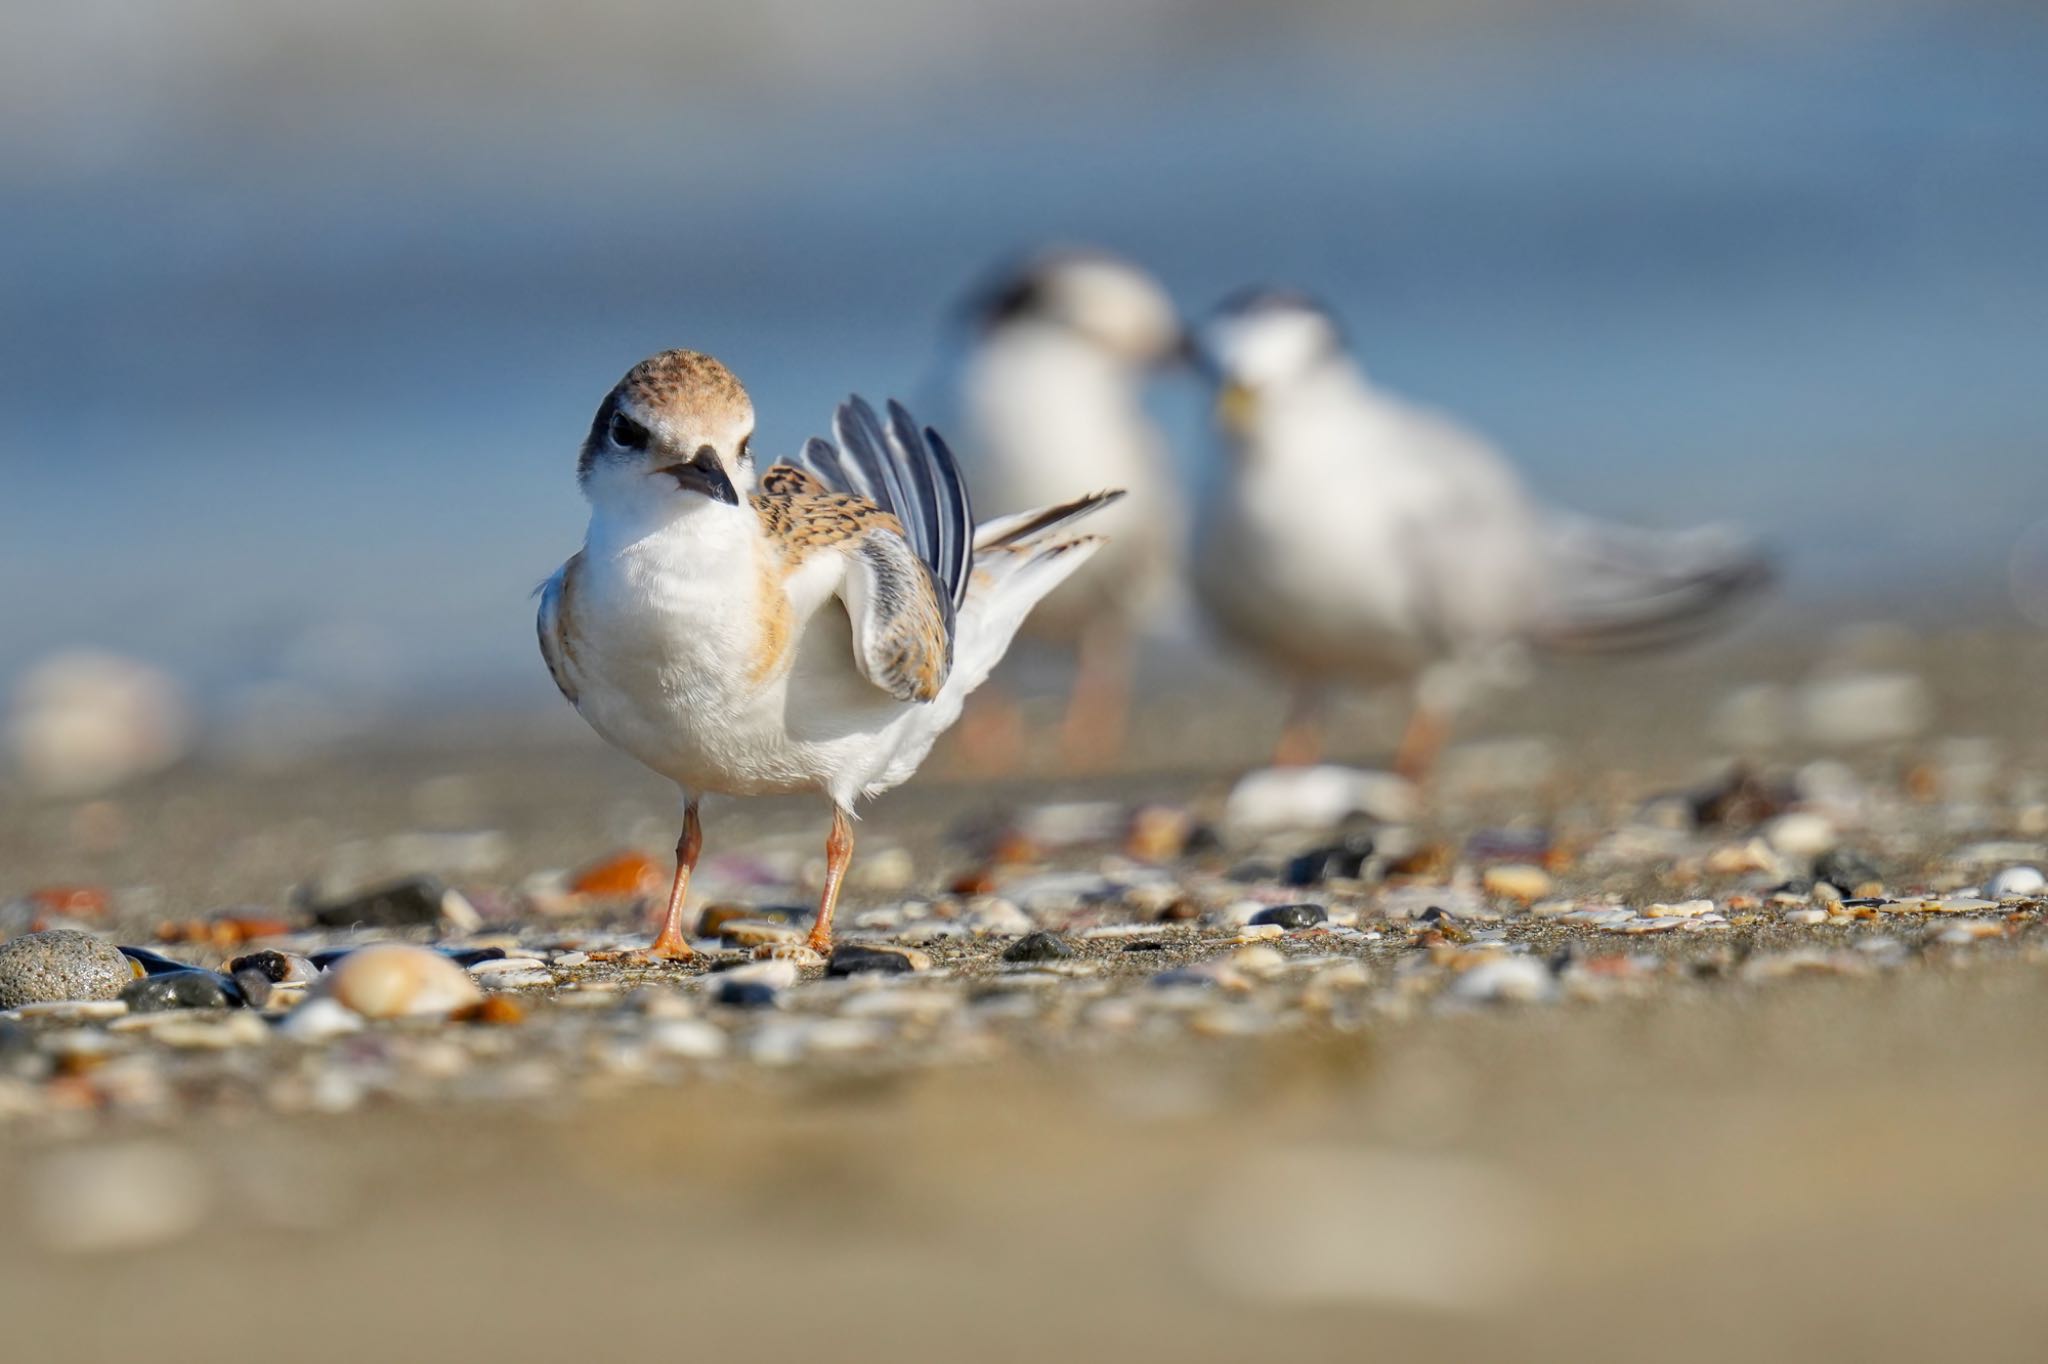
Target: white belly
x,y
667,666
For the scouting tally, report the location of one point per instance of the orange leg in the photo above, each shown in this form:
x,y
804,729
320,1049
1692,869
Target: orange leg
x,y
669,944
838,853
1099,705
1421,741
1301,737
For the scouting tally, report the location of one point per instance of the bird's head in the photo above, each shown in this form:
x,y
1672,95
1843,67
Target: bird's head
x,y
672,434
1261,341
1099,298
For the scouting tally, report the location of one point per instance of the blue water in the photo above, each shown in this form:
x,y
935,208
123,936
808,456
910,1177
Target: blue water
x,y
305,406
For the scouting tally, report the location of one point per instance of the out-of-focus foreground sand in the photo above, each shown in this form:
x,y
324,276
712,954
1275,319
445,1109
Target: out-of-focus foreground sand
x,y
1818,1169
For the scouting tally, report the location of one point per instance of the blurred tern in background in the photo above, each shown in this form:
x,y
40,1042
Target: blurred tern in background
x,y
1358,539
1051,399
813,629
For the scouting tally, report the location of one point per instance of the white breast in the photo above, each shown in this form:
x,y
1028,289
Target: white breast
x,y
667,664
1049,417
1358,538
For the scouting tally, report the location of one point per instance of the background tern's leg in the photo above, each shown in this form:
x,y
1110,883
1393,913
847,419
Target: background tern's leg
x,y
1301,736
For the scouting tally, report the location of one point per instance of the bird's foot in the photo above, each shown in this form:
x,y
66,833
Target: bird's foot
x,y
658,952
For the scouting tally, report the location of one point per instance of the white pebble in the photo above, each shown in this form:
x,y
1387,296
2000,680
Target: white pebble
x,y
687,1037
1801,833
1276,799
499,966
2016,883
319,1019
1522,979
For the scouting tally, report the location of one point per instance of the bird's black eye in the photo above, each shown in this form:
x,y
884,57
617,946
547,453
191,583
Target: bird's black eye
x,y
746,441
628,434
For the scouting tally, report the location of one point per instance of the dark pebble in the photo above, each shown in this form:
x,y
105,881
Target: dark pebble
x,y
412,903
1844,869
1508,845
464,957
851,960
1167,979
275,967
154,963
1147,945
1345,860
1040,946
1291,916
187,989
747,994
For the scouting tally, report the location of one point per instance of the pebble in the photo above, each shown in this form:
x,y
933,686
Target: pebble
x,y
1278,799
192,989
318,1020
210,1033
1969,931
1845,869
416,902
1801,833
498,966
72,1010
622,876
525,978
691,1038
2017,883
758,933
850,959
60,964
1039,946
1683,909
153,963
1523,980
278,968
1343,860
398,980
1258,961
795,953
1289,917
747,994
1517,881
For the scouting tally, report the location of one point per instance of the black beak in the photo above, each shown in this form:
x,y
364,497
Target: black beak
x,y
1188,354
702,473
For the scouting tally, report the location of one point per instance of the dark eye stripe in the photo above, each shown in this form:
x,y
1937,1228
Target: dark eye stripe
x,y
628,433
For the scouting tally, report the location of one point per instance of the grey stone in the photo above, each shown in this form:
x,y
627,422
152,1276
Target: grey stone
x,y
60,964
1039,947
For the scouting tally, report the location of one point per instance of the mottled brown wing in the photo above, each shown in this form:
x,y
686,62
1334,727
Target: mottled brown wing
x,y
901,637
786,480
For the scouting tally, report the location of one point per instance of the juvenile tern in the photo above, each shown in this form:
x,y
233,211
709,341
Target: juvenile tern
x,y
813,629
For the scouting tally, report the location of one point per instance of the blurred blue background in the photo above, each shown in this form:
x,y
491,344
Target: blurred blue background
x,y
307,306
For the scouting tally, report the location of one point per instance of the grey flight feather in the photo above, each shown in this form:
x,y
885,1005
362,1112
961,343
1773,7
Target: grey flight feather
x,y
910,474
1617,588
